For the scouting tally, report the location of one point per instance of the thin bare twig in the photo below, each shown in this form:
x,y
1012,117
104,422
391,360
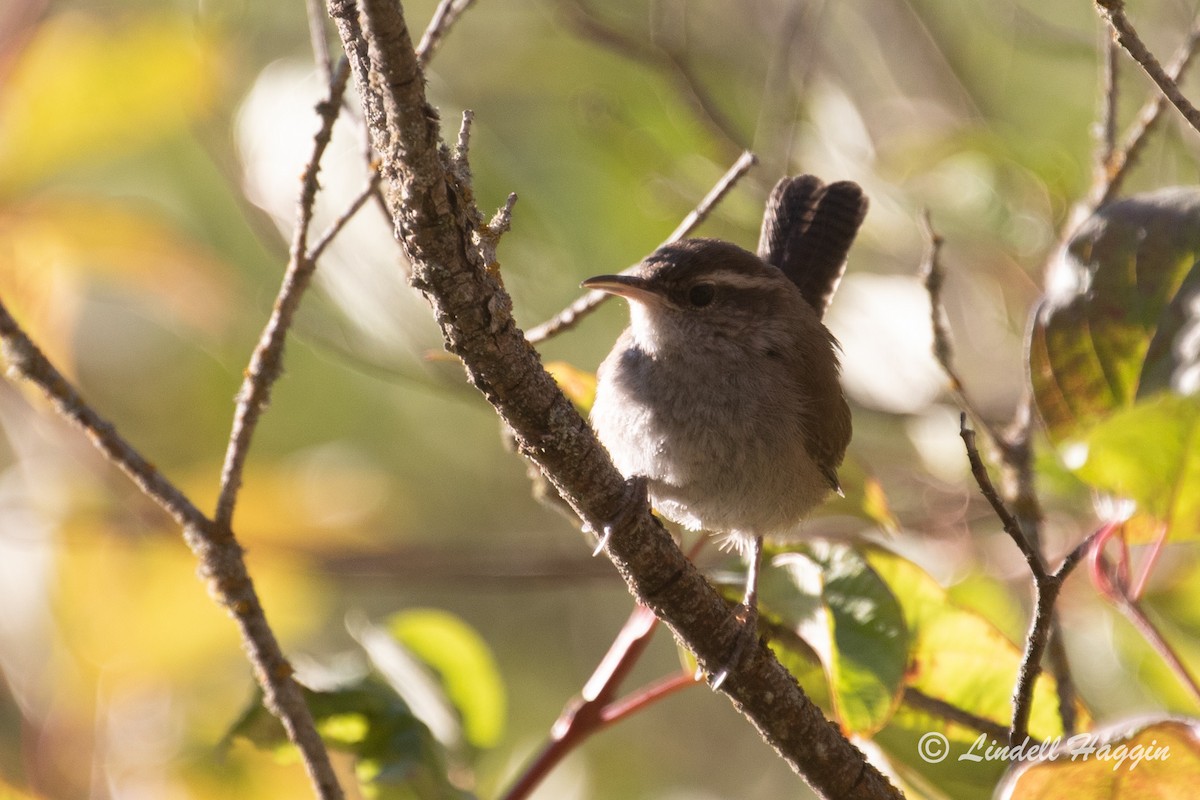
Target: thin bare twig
x,y
745,162
316,33
1133,611
935,279
447,13
1107,183
1064,681
1041,628
1106,131
648,695
952,713
335,227
1113,163
266,364
943,342
1113,12
666,58
573,314
1016,456
1114,582
1013,528
597,706
215,547
1047,586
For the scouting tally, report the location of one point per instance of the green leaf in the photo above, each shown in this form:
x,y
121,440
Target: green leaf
x,y
1116,323
1153,759
397,756
1149,453
958,656
829,595
463,662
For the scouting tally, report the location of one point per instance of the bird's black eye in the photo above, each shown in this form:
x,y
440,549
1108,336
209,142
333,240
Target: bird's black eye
x,y
701,294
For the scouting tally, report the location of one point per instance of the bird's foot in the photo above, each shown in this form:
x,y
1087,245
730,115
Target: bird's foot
x,y
745,616
636,501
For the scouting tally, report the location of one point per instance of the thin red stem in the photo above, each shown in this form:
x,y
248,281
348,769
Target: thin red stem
x,y
647,696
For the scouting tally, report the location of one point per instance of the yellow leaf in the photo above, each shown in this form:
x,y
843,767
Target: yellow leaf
x,y
86,88
1151,759
875,505
579,386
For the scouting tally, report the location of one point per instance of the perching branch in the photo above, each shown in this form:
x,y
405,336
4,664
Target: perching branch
x,y
335,227
437,222
220,556
573,314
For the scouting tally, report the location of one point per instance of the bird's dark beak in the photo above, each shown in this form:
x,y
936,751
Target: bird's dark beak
x,y
627,286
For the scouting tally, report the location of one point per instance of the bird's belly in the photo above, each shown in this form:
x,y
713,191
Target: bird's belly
x,y
736,469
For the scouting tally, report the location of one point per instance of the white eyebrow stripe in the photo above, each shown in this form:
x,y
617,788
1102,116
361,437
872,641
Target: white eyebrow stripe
x,y
740,280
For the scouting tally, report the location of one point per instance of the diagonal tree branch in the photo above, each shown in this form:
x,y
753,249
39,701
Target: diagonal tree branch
x,y
437,224
1113,12
220,556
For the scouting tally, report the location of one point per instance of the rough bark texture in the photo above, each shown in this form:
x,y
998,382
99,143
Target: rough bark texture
x,y
439,226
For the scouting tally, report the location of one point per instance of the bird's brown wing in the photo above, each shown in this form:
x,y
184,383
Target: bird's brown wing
x,y
807,231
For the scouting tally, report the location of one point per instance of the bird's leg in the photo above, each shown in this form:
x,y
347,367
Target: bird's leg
x,y
746,614
636,501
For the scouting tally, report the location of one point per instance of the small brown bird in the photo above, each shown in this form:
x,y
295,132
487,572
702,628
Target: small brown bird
x,y
723,393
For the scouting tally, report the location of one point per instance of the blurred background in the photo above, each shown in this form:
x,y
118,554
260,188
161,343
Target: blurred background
x,y
150,156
